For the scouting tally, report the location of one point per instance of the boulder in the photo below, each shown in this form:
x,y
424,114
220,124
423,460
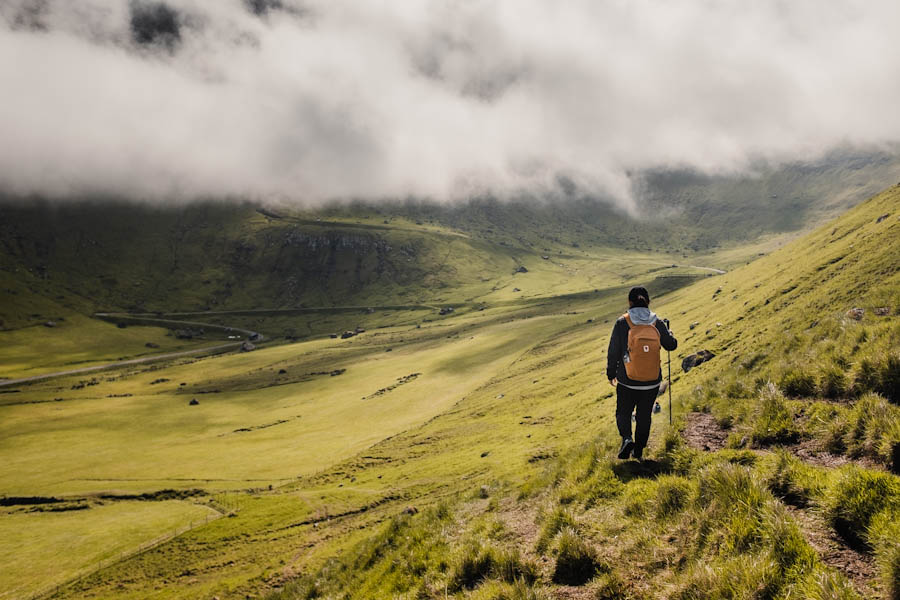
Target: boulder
x,y
882,218
333,336
247,347
694,360
521,269
194,402
347,334
883,311
856,313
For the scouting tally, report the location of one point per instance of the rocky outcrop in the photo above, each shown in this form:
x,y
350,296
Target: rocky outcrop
x,y
696,359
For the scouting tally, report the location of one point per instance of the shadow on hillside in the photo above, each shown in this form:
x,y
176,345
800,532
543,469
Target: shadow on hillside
x,y
633,469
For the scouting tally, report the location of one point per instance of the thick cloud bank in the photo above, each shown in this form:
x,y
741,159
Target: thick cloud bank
x,y
323,99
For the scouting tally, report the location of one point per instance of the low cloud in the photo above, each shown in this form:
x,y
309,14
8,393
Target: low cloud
x,y
442,99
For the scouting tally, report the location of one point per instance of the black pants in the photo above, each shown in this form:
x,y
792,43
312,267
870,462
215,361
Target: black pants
x,y
626,401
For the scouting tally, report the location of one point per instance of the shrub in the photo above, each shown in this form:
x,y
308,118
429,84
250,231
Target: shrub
x,y
774,423
857,497
576,561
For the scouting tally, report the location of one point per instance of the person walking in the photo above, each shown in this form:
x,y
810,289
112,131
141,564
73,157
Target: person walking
x,y
633,367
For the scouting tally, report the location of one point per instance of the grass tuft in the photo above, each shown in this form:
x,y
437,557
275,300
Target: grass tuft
x,y
576,561
857,497
774,423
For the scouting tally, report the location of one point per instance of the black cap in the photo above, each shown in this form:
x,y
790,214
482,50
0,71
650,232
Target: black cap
x,y
639,296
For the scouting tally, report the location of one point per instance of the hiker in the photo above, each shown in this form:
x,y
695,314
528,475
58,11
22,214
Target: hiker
x,y
633,368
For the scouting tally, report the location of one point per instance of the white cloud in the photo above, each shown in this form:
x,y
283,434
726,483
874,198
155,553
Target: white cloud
x,y
334,99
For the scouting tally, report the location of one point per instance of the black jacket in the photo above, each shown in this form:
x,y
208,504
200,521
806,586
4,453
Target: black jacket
x,y
618,343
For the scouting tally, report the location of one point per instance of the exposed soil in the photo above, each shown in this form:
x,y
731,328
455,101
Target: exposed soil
x,y
703,433
856,566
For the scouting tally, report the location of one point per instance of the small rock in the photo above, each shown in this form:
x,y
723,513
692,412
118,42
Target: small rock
x,y
693,325
484,454
410,510
516,290
882,218
247,347
347,334
50,324
694,360
545,257
151,345
856,313
883,311
333,336
194,402
282,371
521,269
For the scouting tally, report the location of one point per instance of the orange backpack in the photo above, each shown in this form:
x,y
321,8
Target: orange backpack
x,y
642,357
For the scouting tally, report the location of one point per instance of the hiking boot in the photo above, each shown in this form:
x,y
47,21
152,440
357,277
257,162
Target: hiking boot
x,y
625,450
638,453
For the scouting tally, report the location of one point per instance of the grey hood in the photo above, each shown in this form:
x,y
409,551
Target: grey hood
x,y
642,316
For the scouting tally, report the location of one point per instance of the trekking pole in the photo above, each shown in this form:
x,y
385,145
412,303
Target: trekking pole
x,y
669,355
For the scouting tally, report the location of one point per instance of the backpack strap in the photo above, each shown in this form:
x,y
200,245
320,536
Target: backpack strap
x,y
628,320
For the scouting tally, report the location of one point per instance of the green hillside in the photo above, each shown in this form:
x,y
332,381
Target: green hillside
x,y
432,455
796,500
474,458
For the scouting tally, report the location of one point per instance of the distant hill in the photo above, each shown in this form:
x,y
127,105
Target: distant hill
x,y
113,255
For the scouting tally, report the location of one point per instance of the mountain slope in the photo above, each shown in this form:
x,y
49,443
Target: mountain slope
x,y
691,523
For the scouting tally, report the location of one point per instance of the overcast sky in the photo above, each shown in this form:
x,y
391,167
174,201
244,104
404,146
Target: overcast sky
x,y
317,100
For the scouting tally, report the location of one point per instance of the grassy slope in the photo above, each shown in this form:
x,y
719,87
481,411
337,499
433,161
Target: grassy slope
x,y
694,524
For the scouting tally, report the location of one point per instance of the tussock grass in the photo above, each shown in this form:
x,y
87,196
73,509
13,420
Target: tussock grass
x,y
884,537
857,497
576,560
555,521
673,495
479,561
774,423
794,481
